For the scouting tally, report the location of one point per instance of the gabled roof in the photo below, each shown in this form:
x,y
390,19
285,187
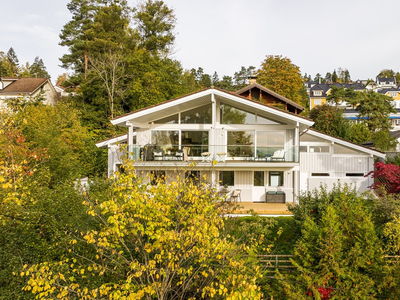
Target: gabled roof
x,y
204,97
24,86
384,91
325,87
386,79
268,91
344,143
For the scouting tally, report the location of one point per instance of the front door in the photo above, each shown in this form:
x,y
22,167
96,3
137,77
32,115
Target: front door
x,y
259,186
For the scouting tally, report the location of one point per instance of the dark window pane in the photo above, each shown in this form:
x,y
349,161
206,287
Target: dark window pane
x,y
198,115
195,142
227,178
258,178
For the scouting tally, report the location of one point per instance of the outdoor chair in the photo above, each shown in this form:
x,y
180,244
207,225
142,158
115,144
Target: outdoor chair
x,y
236,195
179,155
278,155
158,154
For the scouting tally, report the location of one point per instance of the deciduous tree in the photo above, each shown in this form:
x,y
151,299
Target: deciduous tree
x,y
158,241
283,77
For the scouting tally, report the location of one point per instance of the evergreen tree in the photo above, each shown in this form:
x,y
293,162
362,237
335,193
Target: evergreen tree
x,y
328,77
73,35
347,77
374,109
329,119
241,78
318,77
13,63
215,79
155,22
339,255
227,83
334,77
38,69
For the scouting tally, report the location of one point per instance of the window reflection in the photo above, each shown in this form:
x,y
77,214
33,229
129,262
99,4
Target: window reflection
x,y
241,143
232,115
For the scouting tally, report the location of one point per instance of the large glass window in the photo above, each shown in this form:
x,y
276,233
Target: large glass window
x,y
241,143
269,141
265,121
275,178
174,119
232,115
195,142
338,149
320,149
165,139
258,178
198,115
227,178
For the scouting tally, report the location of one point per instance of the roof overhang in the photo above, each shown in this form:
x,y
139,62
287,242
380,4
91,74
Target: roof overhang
x,y
112,141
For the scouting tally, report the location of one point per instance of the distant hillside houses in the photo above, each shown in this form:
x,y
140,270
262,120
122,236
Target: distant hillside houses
x,y
318,92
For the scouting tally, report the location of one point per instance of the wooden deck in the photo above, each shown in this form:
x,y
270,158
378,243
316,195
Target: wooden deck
x,y
263,208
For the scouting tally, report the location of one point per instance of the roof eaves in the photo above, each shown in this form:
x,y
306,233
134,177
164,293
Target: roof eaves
x,y
112,140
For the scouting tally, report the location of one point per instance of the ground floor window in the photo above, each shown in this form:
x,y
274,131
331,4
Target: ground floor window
x,y
258,178
227,178
193,176
275,178
157,177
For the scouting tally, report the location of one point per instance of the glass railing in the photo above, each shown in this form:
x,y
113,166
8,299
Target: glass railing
x,y
208,153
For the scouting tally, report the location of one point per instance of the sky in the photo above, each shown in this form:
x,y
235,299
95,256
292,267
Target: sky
x,y
223,35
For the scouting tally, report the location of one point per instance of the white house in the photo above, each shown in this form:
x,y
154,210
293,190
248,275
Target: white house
x,y
29,88
234,141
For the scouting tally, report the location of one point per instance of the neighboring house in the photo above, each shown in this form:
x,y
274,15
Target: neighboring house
x,y
381,83
237,142
62,91
256,91
319,92
28,88
309,84
393,92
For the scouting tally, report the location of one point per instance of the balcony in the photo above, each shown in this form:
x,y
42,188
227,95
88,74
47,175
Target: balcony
x,y
213,153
